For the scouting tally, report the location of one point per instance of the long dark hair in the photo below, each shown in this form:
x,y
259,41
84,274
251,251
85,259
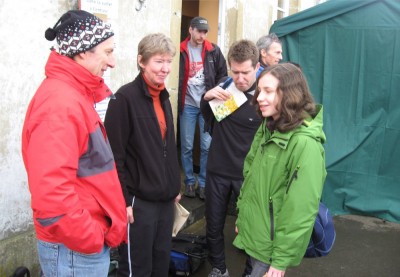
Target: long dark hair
x,y
296,103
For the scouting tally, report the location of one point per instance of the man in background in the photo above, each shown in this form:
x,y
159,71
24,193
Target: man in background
x,y
202,64
270,48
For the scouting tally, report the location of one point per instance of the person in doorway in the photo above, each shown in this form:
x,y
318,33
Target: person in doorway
x,y
231,140
284,173
270,48
140,126
202,64
77,205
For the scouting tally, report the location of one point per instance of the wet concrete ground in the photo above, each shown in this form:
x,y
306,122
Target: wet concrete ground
x,y
364,247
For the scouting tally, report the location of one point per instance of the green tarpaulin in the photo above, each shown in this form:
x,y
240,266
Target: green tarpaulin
x,y
350,54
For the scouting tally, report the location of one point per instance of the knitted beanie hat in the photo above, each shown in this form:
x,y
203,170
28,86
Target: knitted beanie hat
x,y
78,31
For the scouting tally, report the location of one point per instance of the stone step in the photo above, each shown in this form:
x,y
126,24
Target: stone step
x,y
196,207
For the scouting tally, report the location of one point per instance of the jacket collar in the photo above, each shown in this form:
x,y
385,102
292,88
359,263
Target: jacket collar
x,y
280,139
262,64
311,127
66,69
207,45
164,94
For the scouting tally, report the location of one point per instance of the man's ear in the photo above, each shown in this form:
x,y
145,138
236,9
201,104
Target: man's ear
x,y
79,57
263,53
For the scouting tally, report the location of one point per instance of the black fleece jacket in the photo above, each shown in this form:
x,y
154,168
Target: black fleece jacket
x,y
147,165
231,137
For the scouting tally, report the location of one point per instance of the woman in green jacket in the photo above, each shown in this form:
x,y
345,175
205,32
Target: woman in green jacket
x,y
284,173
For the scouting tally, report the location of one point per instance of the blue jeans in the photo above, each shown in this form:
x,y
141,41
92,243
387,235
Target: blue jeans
x,y
190,115
56,260
259,268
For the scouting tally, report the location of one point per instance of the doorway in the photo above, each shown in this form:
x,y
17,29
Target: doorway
x,y
208,9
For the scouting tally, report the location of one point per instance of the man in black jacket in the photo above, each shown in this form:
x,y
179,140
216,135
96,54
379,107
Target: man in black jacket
x,y
202,64
231,140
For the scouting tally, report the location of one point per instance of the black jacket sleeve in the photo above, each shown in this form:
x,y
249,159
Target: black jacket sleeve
x,y
220,63
118,125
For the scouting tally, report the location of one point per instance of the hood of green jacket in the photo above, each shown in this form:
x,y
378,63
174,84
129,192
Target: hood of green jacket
x,y
311,127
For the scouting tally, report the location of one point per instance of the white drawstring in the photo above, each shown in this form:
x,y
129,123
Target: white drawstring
x,y
129,243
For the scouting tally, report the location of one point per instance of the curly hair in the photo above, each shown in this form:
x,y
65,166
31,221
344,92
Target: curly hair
x,y
296,102
243,50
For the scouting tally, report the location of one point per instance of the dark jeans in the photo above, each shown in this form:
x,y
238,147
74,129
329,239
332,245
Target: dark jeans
x,y
218,192
248,267
148,250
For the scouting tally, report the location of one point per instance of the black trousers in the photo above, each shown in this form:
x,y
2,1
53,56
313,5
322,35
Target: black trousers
x,y
218,192
150,240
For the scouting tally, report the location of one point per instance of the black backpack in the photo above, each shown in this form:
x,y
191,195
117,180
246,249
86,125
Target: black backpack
x,y
21,271
188,253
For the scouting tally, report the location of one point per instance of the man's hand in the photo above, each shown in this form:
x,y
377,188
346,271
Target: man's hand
x,y
217,93
129,214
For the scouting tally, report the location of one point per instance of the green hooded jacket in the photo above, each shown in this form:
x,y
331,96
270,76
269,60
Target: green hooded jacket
x,y
284,176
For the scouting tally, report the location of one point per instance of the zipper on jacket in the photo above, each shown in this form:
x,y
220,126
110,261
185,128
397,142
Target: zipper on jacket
x,y
165,148
294,176
271,218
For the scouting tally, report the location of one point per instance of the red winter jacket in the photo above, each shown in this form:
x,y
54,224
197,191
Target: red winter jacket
x,y
214,66
76,195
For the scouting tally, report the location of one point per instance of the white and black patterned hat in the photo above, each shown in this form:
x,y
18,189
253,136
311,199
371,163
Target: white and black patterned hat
x,y
78,31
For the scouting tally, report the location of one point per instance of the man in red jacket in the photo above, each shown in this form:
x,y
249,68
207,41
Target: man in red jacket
x,y
77,202
201,66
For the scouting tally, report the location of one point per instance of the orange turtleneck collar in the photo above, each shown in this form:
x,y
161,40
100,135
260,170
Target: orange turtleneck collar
x,y
155,94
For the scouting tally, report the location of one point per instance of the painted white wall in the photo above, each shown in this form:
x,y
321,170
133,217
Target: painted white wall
x,y
24,52
306,4
256,20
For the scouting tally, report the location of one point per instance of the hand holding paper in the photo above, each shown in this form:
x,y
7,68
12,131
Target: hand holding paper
x,y
222,109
